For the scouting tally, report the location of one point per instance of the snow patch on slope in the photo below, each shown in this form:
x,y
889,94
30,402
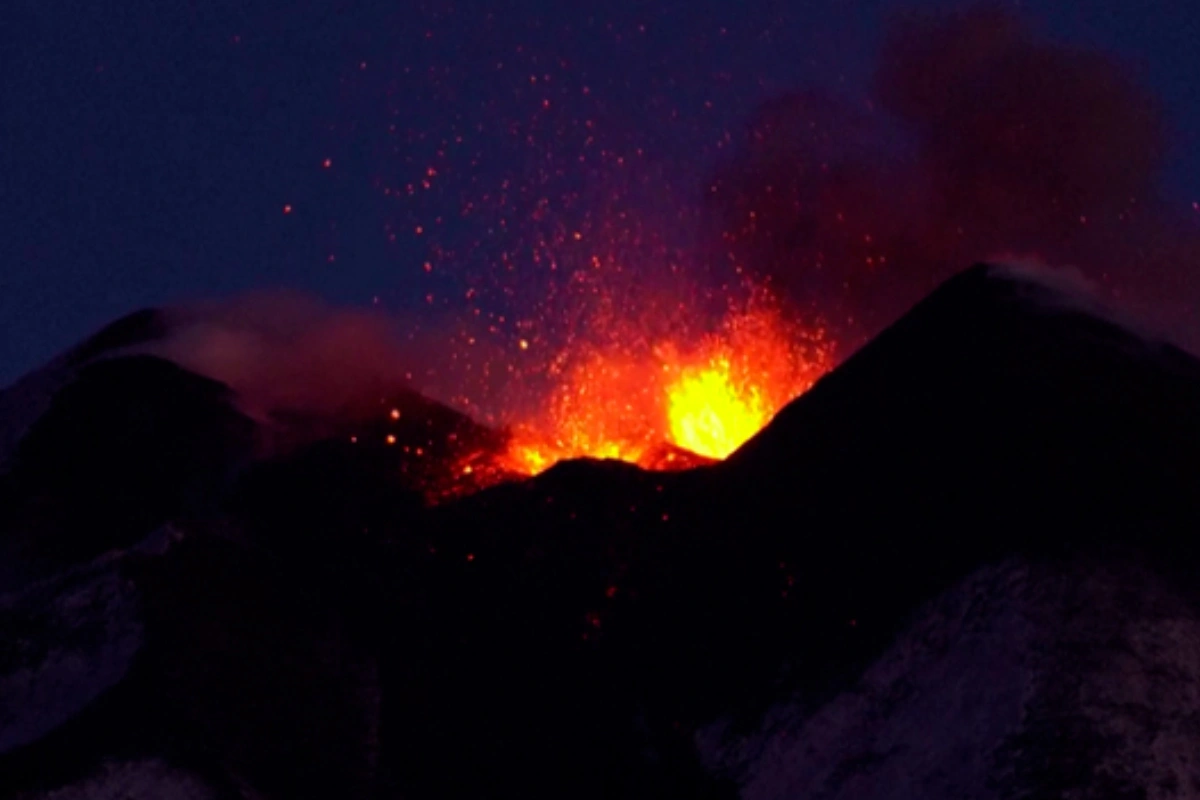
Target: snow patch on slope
x,y
1021,677
146,779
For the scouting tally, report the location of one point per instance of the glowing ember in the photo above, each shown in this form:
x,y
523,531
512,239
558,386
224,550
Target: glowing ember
x,y
708,399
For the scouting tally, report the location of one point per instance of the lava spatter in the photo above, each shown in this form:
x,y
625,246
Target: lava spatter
x,y
702,397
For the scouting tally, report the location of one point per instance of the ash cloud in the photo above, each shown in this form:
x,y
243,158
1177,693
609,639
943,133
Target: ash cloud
x,y
287,353
980,141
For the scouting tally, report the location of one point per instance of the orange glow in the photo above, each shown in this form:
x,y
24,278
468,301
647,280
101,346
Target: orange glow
x,y
598,410
706,397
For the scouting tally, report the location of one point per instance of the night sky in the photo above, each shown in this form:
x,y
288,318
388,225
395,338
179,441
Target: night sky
x,y
423,158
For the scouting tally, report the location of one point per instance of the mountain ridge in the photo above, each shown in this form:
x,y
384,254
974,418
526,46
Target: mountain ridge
x,y
740,629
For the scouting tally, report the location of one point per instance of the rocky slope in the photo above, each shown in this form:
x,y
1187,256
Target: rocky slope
x,y
962,565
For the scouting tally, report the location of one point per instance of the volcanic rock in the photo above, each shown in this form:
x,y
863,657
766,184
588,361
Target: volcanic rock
x,y
1076,678
1001,418
108,443
120,780
67,640
128,445
962,565
191,661
25,401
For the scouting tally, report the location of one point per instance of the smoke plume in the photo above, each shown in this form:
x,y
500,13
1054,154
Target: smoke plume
x,y
980,141
287,353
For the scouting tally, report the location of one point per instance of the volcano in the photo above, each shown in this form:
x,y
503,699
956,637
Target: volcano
x,y
960,565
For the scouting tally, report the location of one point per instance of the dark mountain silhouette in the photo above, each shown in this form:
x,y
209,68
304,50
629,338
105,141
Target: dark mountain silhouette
x,y
962,565
121,442
129,444
139,328
29,398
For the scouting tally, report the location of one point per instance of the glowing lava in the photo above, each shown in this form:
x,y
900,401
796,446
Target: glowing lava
x,y
603,407
709,415
707,398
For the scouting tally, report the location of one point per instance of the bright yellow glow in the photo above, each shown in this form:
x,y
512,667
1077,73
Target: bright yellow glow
x,y
707,413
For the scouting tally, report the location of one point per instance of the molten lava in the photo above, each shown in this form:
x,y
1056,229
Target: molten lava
x,y
706,398
709,415
663,401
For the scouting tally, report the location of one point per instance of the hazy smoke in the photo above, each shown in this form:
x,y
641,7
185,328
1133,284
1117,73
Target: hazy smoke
x,y
284,352
980,141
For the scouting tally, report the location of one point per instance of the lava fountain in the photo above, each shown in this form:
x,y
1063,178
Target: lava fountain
x,y
705,397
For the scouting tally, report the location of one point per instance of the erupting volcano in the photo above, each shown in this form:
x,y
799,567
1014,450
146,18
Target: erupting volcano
x,y
677,403
655,400
662,396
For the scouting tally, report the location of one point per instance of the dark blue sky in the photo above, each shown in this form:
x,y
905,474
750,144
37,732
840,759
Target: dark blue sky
x,y
150,147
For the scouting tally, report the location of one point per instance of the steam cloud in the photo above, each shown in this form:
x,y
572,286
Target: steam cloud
x,y
980,142
284,352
